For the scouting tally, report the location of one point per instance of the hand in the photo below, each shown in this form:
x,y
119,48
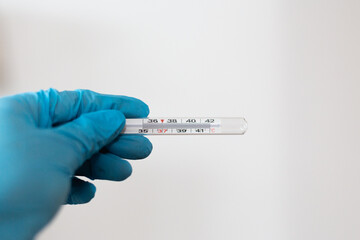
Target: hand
x,y
49,137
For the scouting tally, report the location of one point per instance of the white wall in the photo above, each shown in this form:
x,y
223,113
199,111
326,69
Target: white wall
x,y
290,67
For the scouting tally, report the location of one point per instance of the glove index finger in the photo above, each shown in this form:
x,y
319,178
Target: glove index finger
x,y
68,105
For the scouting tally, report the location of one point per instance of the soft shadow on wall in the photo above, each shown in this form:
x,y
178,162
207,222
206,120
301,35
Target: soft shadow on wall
x,y
39,51
2,56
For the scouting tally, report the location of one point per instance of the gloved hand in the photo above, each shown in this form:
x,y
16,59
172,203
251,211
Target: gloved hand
x,y
49,137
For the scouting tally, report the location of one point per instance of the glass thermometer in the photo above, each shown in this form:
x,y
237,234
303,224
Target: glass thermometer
x,y
186,126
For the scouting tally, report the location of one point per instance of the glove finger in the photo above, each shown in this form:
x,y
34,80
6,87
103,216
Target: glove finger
x,y
68,105
130,147
81,192
89,133
105,166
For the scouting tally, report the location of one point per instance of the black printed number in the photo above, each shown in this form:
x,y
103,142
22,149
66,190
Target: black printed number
x,y
191,121
171,121
181,130
153,121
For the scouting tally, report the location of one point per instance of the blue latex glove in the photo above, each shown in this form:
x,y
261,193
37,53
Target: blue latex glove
x,y
49,137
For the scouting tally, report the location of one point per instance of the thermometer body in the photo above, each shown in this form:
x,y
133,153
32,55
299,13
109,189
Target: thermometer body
x,y
185,126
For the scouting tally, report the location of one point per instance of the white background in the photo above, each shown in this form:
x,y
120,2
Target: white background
x,y
292,68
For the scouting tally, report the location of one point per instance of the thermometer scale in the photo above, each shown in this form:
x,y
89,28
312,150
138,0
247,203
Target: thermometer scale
x,y
186,126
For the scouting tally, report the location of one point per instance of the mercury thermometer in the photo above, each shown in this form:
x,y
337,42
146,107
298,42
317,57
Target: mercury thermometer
x,y
186,126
